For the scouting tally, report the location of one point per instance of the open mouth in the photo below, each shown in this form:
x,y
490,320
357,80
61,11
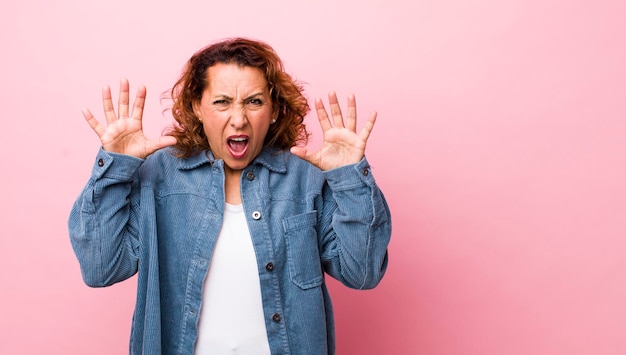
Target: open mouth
x,y
237,146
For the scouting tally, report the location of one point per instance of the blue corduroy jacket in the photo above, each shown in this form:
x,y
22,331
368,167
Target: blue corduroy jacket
x,y
160,217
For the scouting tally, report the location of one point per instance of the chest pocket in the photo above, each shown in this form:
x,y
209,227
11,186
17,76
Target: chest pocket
x,y
303,257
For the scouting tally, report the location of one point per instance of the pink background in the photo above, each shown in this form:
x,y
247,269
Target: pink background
x,y
500,146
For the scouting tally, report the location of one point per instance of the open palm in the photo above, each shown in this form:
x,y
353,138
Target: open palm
x,y
124,133
342,145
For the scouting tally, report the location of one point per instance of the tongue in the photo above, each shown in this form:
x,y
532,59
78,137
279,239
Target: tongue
x,y
237,147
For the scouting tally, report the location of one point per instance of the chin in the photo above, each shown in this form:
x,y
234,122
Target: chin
x,y
237,165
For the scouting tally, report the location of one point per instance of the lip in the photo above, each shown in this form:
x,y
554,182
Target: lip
x,y
237,154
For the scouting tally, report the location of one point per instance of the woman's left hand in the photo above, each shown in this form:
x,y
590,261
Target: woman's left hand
x,y
342,145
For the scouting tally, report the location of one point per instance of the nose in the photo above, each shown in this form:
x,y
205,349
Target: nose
x,y
238,117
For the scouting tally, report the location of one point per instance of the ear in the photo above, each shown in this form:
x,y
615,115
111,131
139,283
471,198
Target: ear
x,y
196,110
275,114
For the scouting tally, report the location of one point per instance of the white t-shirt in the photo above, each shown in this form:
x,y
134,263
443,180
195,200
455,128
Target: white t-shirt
x,y
231,317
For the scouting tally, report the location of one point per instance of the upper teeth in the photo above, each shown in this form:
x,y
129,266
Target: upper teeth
x,y
239,139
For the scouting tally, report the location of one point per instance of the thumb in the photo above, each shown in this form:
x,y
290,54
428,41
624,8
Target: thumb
x,y
166,141
154,145
302,153
299,152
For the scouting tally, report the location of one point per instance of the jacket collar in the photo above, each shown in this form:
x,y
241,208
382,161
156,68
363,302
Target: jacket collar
x,y
272,158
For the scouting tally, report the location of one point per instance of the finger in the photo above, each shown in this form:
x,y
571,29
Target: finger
x,y
351,116
93,122
369,126
163,141
140,101
322,116
107,104
298,151
166,141
304,154
335,110
124,101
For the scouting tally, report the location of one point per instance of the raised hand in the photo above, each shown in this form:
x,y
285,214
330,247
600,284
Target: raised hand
x,y
342,145
124,133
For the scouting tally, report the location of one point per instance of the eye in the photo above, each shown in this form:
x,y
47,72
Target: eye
x,y
255,102
220,102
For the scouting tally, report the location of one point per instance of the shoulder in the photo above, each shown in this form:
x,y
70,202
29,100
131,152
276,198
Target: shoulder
x,y
165,156
282,161
166,162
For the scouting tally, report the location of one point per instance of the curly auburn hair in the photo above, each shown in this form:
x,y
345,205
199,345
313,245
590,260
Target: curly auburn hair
x,y
286,95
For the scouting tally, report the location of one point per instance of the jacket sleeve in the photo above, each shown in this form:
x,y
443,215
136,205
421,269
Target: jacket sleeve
x,y
103,221
355,227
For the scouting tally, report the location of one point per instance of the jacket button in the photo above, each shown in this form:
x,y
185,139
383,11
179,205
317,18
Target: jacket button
x,y
365,172
100,162
250,175
276,317
256,215
269,267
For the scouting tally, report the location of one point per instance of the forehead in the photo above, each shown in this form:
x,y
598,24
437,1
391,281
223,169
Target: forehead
x,y
231,76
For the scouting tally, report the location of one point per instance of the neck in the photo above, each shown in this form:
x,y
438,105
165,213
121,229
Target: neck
x,y
232,185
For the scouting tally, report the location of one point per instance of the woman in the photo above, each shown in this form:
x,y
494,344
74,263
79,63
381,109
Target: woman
x,y
229,222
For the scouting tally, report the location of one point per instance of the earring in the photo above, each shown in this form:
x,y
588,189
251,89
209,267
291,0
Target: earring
x,y
274,120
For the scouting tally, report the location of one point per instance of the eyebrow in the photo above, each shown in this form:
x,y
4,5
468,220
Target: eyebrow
x,y
224,96
255,95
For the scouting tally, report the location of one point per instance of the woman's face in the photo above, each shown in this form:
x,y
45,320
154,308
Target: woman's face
x,y
236,113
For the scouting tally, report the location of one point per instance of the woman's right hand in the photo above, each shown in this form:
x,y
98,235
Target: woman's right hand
x,y
124,133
